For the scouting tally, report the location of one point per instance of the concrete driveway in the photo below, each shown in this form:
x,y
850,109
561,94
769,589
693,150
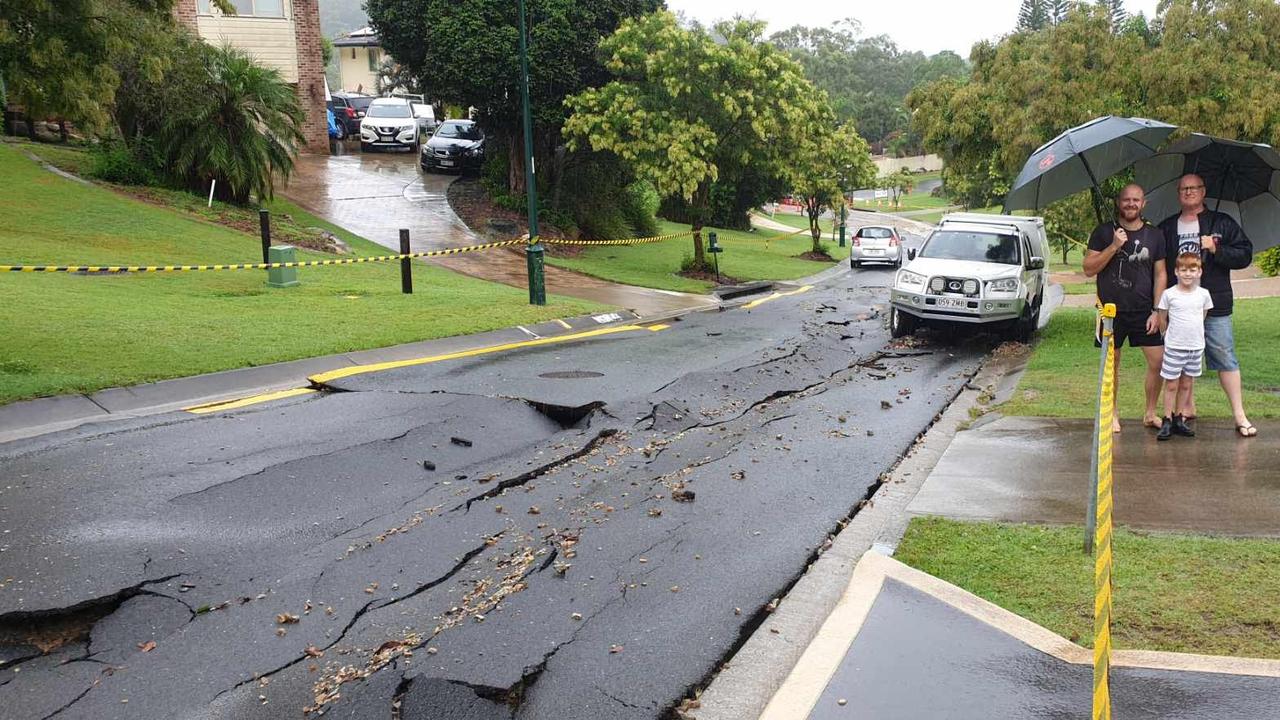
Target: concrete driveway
x,y
376,194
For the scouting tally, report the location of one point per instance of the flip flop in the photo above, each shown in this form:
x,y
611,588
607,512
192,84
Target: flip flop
x,y
1151,423
1247,430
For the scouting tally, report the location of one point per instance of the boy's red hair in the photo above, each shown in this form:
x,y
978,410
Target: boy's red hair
x,y
1188,259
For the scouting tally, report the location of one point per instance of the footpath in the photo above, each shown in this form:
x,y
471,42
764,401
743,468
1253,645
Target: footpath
x,y
862,635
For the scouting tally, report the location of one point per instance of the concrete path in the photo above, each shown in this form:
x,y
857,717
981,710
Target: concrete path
x,y
905,645
1216,483
377,194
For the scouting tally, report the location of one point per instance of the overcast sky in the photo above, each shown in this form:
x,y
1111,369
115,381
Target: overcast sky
x,y
924,25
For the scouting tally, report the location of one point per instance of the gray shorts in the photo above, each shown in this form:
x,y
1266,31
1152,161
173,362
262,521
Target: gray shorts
x,y
1178,362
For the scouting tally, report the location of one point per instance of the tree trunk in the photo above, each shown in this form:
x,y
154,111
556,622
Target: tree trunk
x,y
515,161
701,210
812,210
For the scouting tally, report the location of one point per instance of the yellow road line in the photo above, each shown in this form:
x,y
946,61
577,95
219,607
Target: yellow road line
x,y
658,327
564,324
760,301
376,367
245,402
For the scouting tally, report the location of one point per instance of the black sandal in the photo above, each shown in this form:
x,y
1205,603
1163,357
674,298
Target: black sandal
x,y
1247,430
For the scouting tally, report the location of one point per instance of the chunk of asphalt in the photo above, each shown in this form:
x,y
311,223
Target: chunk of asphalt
x,y
460,441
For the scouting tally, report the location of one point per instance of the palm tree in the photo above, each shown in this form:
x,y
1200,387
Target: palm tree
x,y
242,132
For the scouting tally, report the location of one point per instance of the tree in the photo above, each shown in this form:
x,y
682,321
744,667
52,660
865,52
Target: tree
x,y
898,183
1115,8
688,110
395,77
1032,16
827,163
242,129
467,54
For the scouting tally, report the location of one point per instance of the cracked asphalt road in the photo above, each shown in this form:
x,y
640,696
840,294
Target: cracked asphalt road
x,y
575,531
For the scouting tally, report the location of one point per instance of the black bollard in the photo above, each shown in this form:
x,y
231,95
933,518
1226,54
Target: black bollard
x,y
406,270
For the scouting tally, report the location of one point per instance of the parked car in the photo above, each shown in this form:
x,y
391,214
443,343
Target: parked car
x,y
425,114
456,145
389,123
976,269
349,109
876,243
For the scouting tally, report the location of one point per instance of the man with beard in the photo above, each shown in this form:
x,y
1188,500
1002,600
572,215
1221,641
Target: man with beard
x,y
1223,247
1128,258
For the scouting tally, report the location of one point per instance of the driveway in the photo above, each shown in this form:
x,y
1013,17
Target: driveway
x,y
376,194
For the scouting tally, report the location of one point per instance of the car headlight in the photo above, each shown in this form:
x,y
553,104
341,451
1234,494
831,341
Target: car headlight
x,y
906,277
937,285
970,287
1005,285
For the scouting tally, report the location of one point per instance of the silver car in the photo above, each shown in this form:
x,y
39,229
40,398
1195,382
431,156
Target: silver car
x,y
876,243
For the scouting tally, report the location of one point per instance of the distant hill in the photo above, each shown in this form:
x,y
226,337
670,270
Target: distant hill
x,y
341,16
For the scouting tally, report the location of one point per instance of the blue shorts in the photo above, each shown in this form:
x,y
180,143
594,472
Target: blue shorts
x,y
1219,343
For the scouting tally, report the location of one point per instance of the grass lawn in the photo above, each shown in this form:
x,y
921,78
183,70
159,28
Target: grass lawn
x,y
80,333
1082,288
1176,593
801,222
1062,376
747,256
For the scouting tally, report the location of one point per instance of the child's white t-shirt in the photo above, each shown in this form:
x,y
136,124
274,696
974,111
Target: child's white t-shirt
x,y
1186,317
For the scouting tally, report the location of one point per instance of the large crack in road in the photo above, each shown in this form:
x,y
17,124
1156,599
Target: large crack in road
x,y
481,543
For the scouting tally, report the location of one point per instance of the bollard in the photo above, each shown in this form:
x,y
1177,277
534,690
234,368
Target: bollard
x,y
264,226
844,211
282,277
533,254
406,270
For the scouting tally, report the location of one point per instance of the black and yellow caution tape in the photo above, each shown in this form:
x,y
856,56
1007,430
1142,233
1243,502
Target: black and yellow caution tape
x,y
1102,571
319,263
249,266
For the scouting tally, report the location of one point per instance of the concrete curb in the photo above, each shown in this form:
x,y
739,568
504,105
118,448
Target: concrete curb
x,y
750,679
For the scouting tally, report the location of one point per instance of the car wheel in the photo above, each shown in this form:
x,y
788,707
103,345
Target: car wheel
x,y
855,263
1025,326
902,324
342,133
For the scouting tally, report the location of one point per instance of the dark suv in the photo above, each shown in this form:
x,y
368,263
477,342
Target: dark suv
x,y
456,145
348,110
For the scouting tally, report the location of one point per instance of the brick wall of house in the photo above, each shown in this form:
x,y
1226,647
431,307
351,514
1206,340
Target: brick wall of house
x,y
310,88
184,11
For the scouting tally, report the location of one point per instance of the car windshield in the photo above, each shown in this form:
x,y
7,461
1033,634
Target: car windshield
x,y
389,111
875,232
462,131
974,246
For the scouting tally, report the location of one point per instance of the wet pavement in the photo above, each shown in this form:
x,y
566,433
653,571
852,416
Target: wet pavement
x,y
919,657
584,531
1037,470
376,194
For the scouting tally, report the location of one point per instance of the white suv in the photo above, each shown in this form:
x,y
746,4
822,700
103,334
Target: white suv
x,y
977,269
389,122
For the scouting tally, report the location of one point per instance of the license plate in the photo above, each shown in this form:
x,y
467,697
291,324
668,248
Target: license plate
x,y
446,163
952,303
874,251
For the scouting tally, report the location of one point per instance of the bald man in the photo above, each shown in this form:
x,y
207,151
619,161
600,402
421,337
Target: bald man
x,y
1223,247
1127,256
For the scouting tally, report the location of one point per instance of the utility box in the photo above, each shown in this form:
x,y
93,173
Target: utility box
x,y
281,277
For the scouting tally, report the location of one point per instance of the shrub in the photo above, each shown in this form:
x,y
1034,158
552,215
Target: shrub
x,y
117,163
640,203
1269,261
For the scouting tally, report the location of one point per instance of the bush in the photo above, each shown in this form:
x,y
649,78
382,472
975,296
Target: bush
x,y
116,163
640,203
1269,261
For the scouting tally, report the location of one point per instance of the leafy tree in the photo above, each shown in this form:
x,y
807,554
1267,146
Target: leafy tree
x,y
395,77
1115,8
242,128
899,183
1058,10
827,163
688,110
467,53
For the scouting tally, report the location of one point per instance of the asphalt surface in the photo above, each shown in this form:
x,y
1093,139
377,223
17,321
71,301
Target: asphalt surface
x,y
577,531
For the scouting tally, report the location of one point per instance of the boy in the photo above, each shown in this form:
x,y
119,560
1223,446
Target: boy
x,y
1183,308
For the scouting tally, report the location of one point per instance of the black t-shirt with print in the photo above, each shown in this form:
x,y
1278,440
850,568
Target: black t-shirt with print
x,y
1128,280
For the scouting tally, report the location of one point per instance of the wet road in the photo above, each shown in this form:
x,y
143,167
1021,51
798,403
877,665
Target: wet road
x,y
576,531
377,194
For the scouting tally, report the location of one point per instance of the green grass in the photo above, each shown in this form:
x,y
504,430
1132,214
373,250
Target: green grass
x,y
1176,593
801,222
747,256
1062,376
1083,288
71,158
80,333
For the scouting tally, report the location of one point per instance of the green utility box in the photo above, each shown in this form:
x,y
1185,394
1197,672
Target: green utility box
x,y
282,277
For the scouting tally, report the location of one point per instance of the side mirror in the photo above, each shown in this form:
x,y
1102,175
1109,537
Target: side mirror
x,y
911,253
1037,263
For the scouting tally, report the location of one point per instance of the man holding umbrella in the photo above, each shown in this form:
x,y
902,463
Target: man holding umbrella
x,y
1223,247
1128,258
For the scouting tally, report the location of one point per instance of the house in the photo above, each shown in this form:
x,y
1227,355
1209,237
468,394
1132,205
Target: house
x,y
359,57
281,34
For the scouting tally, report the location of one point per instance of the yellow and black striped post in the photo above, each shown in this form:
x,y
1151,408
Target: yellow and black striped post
x,y
1101,504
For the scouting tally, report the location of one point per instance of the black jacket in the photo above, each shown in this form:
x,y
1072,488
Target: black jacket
x,y
1235,251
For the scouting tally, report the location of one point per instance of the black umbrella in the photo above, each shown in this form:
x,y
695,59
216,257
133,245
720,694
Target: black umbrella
x,y
1241,179
1081,157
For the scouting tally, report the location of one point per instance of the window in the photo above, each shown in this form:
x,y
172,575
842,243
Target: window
x,y
256,8
972,246
202,7
373,59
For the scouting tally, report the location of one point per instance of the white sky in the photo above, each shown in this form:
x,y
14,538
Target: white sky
x,y
924,25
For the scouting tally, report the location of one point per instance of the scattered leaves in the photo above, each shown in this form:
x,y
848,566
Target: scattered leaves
x,y
147,646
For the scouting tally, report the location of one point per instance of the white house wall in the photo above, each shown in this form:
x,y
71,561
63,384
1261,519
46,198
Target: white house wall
x,y
270,41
